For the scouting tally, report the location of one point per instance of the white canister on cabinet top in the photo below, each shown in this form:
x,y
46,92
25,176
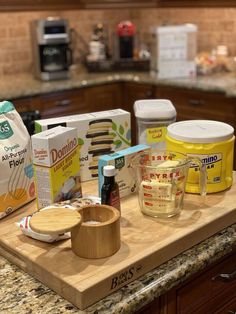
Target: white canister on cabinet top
x,y
152,118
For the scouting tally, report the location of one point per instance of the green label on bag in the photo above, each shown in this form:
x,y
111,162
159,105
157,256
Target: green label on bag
x,y
5,130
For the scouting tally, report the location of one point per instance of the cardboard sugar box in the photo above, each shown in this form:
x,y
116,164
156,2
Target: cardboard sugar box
x,y
122,160
56,165
98,133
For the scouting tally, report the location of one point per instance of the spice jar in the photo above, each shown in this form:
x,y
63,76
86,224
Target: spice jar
x,y
110,190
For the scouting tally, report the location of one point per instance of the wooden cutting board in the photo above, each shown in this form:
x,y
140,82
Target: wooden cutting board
x,y
146,243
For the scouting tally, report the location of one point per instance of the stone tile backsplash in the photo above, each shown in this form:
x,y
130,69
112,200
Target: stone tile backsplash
x,y
215,26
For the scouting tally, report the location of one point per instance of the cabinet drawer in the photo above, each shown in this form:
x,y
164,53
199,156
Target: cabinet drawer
x,y
209,291
193,104
26,104
103,97
62,103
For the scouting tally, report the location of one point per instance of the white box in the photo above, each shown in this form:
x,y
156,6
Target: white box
x,y
56,165
125,173
99,133
173,51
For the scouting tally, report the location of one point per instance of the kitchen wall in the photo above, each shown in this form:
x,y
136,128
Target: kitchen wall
x,y
216,26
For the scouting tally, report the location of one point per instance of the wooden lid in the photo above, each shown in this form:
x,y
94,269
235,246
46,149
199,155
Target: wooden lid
x,y
55,220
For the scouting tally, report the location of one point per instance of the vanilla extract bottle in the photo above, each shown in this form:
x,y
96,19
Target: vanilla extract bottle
x,y
110,190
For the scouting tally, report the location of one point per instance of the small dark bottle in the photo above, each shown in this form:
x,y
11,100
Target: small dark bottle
x,y
110,190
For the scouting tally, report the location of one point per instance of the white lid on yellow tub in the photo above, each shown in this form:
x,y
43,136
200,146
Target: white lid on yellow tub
x,y
200,131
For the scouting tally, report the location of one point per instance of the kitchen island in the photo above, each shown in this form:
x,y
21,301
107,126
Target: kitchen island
x,y
21,293
202,234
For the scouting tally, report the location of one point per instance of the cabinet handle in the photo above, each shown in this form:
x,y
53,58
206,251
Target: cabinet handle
x,y
225,277
231,312
62,103
149,93
196,102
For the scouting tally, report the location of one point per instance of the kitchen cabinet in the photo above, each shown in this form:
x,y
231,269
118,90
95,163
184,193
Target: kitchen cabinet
x,y
62,103
210,291
25,104
23,5
195,104
103,97
75,101
199,3
131,93
31,5
104,4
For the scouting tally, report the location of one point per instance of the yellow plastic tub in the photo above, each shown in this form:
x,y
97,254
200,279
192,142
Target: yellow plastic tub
x,y
213,143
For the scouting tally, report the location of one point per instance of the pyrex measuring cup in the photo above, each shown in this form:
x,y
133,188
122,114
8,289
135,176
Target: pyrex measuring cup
x,y
161,179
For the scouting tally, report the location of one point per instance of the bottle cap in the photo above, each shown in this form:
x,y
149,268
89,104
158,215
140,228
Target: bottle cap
x,y
109,171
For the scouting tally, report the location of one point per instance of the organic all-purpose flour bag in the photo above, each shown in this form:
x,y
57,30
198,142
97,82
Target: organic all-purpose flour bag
x,y
16,176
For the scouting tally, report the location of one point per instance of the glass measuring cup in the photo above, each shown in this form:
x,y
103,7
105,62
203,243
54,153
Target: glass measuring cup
x,y
161,178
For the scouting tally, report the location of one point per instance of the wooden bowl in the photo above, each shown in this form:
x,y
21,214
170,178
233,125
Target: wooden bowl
x,y
98,235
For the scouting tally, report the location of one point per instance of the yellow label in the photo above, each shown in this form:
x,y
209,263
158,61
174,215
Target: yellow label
x,y
213,163
59,182
156,135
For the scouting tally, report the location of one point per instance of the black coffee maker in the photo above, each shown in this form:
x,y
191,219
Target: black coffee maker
x,y
52,54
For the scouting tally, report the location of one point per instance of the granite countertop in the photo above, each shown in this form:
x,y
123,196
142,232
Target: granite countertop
x,y
23,85
21,293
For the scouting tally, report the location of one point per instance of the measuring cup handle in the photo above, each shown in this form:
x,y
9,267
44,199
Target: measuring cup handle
x,y
202,176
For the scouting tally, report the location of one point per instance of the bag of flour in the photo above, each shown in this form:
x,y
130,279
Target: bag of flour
x,y
16,175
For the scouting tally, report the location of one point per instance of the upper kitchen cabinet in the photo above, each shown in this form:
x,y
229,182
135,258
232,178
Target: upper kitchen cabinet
x,y
23,5
106,4
198,3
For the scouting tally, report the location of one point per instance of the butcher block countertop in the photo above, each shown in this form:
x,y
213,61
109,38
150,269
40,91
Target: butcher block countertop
x,y
21,293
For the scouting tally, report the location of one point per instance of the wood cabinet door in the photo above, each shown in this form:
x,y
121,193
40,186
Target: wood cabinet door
x,y
26,104
97,4
194,104
131,93
210,292
103,97
198,3
62,103
23,5
205,293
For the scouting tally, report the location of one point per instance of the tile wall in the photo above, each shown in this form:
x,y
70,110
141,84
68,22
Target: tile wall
x,y
216,26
